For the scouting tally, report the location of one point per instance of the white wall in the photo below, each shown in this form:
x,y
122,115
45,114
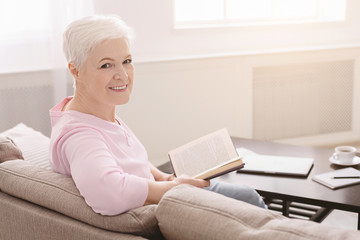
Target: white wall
x,y
177,101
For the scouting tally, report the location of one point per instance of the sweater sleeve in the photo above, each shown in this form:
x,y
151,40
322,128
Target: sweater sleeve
x,y
107,189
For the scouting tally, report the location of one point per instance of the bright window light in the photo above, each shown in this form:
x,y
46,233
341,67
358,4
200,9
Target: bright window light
x,y
18,16
30,32
245,9
295,8
188,10
194,13
333,9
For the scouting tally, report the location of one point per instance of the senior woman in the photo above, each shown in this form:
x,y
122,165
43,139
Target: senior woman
x,y
91,143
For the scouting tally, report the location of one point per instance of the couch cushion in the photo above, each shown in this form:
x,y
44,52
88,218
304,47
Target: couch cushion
x,y
59,193
186,212
33,144
22,220
9,150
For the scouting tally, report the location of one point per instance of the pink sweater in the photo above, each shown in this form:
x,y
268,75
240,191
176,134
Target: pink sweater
x,y
107,162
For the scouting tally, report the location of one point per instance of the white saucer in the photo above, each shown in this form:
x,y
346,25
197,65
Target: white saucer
x,y
355,161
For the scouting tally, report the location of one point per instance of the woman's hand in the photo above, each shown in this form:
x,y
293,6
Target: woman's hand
x,y
184,179
156,189
166,177
161,176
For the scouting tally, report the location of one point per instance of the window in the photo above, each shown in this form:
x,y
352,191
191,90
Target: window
x,y
202,13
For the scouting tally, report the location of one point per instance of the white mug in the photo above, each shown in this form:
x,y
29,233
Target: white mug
x,y
344,154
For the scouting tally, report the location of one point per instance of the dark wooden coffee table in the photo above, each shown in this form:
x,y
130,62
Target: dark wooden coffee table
x,y
293,190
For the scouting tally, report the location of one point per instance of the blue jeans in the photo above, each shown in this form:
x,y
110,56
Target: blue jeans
x,y
239,192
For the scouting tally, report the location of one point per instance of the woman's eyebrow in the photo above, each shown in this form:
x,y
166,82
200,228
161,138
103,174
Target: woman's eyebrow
x,y
106,58
111,59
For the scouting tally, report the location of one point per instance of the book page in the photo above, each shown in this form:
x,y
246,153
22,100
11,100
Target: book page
x,y
202,154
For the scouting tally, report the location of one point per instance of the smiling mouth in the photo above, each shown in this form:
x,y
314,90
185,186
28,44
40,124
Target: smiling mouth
x,y
118,88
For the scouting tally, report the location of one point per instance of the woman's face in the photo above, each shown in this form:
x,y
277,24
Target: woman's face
x,y
107,74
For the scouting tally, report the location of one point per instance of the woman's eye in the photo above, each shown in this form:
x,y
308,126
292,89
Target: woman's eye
x,y
106,65
128,61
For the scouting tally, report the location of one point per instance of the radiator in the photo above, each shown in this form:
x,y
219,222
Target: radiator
x,y
292,101
29,105
28,97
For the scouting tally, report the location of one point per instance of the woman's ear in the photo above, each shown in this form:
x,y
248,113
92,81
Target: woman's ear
x,y
73,70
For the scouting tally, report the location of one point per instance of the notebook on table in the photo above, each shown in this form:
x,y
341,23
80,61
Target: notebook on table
x,y
275,165
339,178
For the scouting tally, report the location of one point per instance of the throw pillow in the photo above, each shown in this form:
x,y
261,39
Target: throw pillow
x,y
33,144
9,150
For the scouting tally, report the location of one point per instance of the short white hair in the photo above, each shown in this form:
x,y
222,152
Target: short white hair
x,y
82,35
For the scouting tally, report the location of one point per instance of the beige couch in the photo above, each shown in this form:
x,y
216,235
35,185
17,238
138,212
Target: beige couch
x,y
37,203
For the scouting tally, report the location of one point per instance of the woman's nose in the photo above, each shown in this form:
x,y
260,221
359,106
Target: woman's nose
x,y
121,74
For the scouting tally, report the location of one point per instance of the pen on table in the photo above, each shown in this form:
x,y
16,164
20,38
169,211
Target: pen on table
x,y
342,177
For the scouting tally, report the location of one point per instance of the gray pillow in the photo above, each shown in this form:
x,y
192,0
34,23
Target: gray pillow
x,y
9,150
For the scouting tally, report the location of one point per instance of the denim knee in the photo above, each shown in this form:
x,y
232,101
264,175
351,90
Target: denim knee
x,y
239,192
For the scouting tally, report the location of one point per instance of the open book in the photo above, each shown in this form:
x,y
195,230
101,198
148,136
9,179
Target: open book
x,y
207,157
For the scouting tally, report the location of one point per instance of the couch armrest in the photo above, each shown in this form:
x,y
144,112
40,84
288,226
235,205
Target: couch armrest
x,y
187,212
59,193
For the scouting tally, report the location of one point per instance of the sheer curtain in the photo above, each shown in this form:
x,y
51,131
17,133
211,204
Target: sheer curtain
x,y
33,73
31,33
